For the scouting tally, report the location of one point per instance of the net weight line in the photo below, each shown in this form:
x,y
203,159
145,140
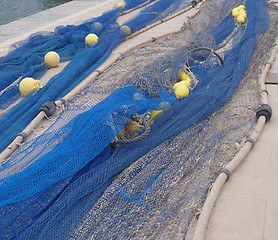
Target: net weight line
x,y
207,209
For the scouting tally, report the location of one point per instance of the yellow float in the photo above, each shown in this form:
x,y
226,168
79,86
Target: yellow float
x,y
235,12
240,19
184,76
125,30
181,91
91,39
28,84
120,5
52,59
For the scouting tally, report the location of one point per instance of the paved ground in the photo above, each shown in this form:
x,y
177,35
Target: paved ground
x,y
247,207
248,204
68,13
39,20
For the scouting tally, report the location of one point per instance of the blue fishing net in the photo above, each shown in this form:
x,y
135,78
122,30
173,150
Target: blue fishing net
x,y
99,126
27,60
149,194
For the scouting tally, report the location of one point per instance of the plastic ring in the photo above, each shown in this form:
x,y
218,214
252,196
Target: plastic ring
x,y
226,171
251,140
23,135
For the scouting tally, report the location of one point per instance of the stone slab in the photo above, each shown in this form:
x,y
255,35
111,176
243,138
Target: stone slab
x,y
271,221
237,219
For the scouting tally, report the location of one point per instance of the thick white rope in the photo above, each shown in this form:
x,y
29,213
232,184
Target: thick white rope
x,y
202,222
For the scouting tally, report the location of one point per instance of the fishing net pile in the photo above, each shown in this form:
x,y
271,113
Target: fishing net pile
x,y
78,181
27,60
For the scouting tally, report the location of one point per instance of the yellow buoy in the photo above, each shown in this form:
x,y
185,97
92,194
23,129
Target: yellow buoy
x,y
241,7
28,84
120,5
181,91
242,13
235,12
240,19
91,39
186,82
98,26
177,84
184,76
125,30
52,59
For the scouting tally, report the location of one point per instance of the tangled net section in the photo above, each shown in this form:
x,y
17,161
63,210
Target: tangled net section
x,y
27,60
127,158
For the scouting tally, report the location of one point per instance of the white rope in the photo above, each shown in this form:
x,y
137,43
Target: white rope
x,y
200,230
13,84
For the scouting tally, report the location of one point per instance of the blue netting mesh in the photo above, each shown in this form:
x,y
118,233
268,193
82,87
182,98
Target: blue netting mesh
x,y
74,164
99,126
26,60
